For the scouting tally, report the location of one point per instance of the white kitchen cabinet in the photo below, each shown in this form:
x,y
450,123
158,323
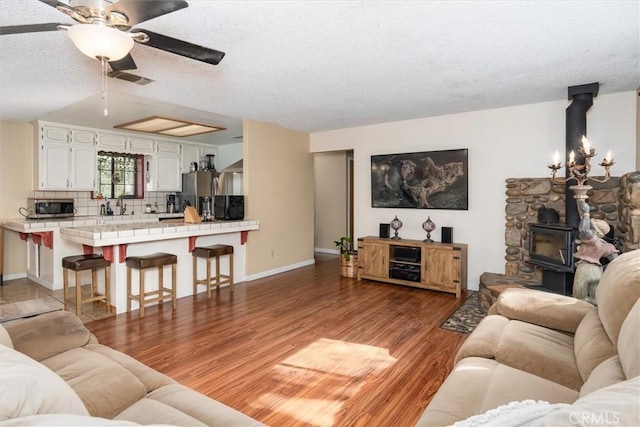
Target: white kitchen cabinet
x,y
190,154
168,147
54,160
139,145
82,137
83,167
66,159
168,172
166,167
54,134
112,142
67,167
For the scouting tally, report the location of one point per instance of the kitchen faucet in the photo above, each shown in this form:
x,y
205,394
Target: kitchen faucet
x,y
121,205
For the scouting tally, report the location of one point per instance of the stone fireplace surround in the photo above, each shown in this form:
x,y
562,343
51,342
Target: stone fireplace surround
x,y
617,201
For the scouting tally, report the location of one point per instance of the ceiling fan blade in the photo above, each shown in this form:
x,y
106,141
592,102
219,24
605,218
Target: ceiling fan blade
x,y
53,3
124,64
179,47
32,28
139,11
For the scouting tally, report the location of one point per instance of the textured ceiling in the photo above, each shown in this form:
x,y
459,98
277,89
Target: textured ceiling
x,y
321,65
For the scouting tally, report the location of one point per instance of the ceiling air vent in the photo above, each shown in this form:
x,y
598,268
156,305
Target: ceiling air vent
x,y
130,78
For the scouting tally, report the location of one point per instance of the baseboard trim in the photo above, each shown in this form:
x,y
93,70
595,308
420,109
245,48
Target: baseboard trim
x,y
327,251
13,276
279,270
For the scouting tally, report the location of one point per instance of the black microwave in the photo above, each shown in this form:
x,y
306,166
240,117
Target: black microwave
x,y
50,208
227,207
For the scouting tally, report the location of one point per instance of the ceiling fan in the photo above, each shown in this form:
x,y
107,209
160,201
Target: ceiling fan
x,y
104,30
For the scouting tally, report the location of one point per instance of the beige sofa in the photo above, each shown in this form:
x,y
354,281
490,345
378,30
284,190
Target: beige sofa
x,y
53,371
550,360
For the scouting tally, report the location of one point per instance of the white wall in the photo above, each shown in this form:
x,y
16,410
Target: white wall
x,y
330,189
227,155
503,143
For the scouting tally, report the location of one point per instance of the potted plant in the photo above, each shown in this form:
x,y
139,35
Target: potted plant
x,y
348,257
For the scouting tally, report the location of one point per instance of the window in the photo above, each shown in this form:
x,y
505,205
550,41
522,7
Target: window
x,y
120,175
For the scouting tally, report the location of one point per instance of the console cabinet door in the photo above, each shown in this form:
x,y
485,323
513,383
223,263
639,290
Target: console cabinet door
x,y
374,259
441,268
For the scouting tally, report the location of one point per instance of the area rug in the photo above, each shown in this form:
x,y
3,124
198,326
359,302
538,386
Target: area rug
x,y
28,308
467,316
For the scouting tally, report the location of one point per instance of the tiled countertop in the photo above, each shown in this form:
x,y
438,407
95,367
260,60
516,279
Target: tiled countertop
x,y
31,225
114,230
114,234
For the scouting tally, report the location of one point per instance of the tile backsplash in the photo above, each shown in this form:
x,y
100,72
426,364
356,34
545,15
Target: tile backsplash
x,y
85,205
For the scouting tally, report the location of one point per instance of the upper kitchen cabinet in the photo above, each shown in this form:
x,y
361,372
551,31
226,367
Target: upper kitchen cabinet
x,y
123,143
168,170
66,159
53,134
112,142
190,154
139,145
195,153
83,137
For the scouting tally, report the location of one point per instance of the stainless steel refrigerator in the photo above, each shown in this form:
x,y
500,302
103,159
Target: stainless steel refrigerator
x,y
196,186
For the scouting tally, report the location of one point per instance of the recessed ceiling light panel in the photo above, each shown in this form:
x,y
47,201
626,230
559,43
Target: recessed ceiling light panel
x,y
168,126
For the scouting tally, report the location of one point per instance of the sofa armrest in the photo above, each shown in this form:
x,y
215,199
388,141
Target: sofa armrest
x,y
46,335
484,339
541,308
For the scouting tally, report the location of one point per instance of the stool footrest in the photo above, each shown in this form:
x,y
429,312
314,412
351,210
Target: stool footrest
x,y
95,298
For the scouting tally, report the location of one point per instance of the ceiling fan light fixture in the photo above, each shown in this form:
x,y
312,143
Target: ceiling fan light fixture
x,y
99,41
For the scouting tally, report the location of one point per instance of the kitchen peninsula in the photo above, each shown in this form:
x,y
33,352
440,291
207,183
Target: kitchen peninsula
x,y
118,238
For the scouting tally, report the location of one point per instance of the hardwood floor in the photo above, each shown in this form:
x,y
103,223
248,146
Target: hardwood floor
x,y
302,348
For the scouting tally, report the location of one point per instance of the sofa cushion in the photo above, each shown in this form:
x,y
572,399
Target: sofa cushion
x,y
607,373
30,388
615,405
150,378
591,344
105,387
617,291
477,385
629,343
48,334
179,405
5,339
540,351
542,308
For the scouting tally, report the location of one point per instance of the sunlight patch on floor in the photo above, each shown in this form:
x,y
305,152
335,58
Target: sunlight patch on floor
x,y
338,368
341,358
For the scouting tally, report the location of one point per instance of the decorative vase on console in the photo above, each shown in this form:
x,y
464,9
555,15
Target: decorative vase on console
x,y
396,225
428,226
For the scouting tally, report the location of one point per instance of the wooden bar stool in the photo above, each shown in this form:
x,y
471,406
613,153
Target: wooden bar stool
x,y
157,260
209,252
80,263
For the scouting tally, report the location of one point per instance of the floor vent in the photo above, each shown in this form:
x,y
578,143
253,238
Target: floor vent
x,y
130,78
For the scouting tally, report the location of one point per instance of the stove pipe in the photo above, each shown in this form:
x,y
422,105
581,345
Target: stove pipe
x,y
581,100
